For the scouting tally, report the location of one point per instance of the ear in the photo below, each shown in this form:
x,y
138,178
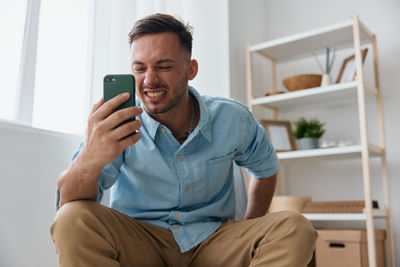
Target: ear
x,y
192,70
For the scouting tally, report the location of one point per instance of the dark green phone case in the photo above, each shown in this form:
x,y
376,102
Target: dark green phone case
x,y
115,84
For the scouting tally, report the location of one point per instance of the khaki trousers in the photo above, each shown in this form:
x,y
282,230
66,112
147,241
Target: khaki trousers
x,y
86,233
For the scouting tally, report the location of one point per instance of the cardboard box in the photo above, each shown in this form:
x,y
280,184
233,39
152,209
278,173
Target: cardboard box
x,y
347,248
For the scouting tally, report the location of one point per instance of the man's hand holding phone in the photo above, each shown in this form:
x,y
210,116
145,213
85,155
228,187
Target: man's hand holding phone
x,y
112,127
108,133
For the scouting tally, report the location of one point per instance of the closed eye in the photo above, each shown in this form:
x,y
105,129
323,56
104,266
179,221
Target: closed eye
x,y
139,69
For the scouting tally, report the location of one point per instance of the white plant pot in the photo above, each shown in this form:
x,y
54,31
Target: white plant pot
x,y
308,143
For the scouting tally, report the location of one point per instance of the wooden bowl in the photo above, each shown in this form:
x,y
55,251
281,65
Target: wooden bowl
x,y
296,203
302,81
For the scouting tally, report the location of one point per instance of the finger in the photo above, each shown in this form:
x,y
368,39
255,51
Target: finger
x,y
122,115
96,106
108,107
126,129
129,140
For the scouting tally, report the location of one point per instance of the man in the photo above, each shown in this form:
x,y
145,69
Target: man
x,y
172,198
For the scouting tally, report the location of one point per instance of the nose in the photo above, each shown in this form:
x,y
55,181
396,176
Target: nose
x,y
151,78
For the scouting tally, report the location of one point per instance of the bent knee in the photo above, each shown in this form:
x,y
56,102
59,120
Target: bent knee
x,y
71,215
295,223
75,209
302,227
295,218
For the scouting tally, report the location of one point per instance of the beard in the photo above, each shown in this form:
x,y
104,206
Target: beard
x,y
180,90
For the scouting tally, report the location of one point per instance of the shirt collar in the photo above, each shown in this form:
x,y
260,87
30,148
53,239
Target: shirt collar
x,y
204,125
150,124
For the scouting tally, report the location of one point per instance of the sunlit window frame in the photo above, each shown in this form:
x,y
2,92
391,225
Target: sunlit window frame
x,y
27,69
26,77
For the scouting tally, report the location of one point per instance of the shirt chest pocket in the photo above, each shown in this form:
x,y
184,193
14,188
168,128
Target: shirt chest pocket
x,y
219,173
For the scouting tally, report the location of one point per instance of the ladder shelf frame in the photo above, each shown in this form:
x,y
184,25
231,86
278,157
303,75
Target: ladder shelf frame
x,y
359,34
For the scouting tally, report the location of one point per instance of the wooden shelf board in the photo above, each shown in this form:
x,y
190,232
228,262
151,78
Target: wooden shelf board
x,y
343,216
352,151
303,44
332,94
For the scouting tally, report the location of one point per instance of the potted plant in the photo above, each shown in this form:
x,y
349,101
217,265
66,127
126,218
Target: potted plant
x,y
308,132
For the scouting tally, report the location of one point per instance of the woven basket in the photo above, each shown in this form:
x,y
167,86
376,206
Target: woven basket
x,y
302,81
345,206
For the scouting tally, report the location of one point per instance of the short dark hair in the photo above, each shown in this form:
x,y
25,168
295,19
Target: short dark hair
x,y
159,23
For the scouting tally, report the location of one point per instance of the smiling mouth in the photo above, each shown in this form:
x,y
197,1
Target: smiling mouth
x,y
155,94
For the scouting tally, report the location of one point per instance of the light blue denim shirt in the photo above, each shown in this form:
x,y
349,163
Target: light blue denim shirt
x,y
188,188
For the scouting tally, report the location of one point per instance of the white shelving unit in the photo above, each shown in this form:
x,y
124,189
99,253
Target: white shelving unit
x,y
348,34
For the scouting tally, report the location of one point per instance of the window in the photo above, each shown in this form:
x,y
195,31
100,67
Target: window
x,y
12,24
62,66
46,85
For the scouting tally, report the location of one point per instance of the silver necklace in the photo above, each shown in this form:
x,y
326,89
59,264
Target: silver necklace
x,y
183,138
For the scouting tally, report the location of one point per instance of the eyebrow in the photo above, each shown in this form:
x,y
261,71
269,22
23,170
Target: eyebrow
x,y
165,60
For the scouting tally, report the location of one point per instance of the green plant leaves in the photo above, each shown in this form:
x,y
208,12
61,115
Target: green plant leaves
x,y
312,128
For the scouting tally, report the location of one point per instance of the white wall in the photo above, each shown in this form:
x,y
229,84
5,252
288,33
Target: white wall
x,y
341,179
30,162
248,24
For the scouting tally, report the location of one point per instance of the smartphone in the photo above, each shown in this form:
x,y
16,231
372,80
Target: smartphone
x,y
115,84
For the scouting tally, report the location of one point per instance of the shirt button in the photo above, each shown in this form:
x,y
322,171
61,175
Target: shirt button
x,y
178,215
163,130
176,226
187,188
180,157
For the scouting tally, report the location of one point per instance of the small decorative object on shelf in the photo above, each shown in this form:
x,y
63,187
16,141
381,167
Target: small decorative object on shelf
x,y
327,143
341,143
302,81
308,132
326,73
347,72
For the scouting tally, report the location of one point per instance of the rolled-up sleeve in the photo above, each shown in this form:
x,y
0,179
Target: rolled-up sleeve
x,y
256,152
107,178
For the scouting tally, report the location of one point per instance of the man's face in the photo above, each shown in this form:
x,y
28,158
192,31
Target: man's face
x,y
162,69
